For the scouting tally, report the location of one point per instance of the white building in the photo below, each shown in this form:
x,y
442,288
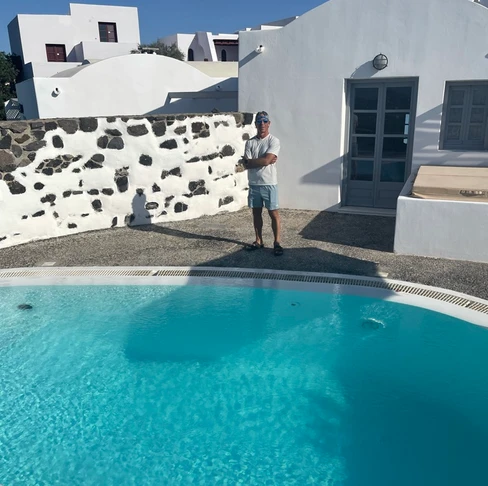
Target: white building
x,y
49,44
362,93
352,133
205,46
80,65
136,84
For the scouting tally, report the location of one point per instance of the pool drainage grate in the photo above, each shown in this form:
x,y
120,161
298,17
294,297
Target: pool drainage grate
x,y
477,305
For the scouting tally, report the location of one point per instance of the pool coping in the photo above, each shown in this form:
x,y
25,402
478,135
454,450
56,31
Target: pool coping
x,y
456,304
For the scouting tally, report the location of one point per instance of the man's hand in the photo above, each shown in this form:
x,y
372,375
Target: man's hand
x,y
241,166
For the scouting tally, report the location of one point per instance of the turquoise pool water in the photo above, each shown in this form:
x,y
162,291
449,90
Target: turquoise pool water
x,y
166,385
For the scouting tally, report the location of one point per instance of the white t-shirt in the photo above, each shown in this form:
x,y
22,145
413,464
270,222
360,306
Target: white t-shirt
x,y
256,148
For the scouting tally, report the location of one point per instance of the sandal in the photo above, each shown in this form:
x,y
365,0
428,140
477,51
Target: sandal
x,y
254,246
278,249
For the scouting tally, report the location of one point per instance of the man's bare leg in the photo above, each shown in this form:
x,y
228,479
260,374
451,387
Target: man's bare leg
x,y
275,224
257,217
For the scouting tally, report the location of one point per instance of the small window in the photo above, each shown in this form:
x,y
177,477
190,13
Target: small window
x,y
56,52
191,56
223,55
108,32
464,121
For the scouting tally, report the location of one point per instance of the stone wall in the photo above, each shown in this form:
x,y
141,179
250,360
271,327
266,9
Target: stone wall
x,y
59,177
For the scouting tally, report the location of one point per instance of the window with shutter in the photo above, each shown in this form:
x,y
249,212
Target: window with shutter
x,y
464,123
56,52
107,31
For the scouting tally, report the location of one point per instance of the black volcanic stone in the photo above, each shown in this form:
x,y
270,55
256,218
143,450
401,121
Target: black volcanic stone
x,y
193,159
113,132
227,151
6,142
72,225
210,157
36,125
114,222
137,130
200,191
180,130
8,177
16,150
98,158
51,125
107,191
58,142
23,138
111,119
197,127
122,183
210,170
159,128
93,192
33,146
102,142
205,134
180,207
16,187
245,136
49,171
169,144
18,127
92,165
152,205
32,156
97,205
66,193
39,213
69,126
194,184
50,198
84,215
145,160
88,124
248,118
116,143
39,134
38,186
156,188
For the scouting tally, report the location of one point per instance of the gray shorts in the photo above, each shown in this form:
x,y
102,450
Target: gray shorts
x,y
263,196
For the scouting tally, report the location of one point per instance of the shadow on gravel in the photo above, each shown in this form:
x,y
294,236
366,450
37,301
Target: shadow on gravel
x,y
368,232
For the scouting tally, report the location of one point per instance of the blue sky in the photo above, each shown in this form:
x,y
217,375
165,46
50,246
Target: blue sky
x,y
158,18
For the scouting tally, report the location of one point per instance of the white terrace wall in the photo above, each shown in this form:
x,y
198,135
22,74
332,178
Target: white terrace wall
x,y
59,177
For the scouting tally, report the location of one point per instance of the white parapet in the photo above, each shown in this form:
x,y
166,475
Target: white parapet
x,y
441,228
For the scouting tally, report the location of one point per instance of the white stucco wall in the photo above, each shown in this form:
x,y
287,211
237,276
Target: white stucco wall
x,y
176,168
300,80
136,84
81,25
441,228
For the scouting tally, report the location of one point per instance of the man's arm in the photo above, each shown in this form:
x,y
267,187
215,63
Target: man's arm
x,y
263,161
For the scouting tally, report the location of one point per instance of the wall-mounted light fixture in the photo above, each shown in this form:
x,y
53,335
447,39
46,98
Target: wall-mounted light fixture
x,y
259,49
380,62
56,92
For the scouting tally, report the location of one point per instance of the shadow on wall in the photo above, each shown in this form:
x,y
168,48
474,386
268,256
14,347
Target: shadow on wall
x,y
329,174
140,215
427,129
156,338
222,97
365,70
361,231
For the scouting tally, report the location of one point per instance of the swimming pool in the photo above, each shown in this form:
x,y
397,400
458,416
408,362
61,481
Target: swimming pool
x,y
236,382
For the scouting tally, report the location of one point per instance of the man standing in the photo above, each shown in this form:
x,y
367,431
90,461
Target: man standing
x,y
260,157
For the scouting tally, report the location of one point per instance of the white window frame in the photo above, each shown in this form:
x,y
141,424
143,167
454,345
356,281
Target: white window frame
x,y
464,143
